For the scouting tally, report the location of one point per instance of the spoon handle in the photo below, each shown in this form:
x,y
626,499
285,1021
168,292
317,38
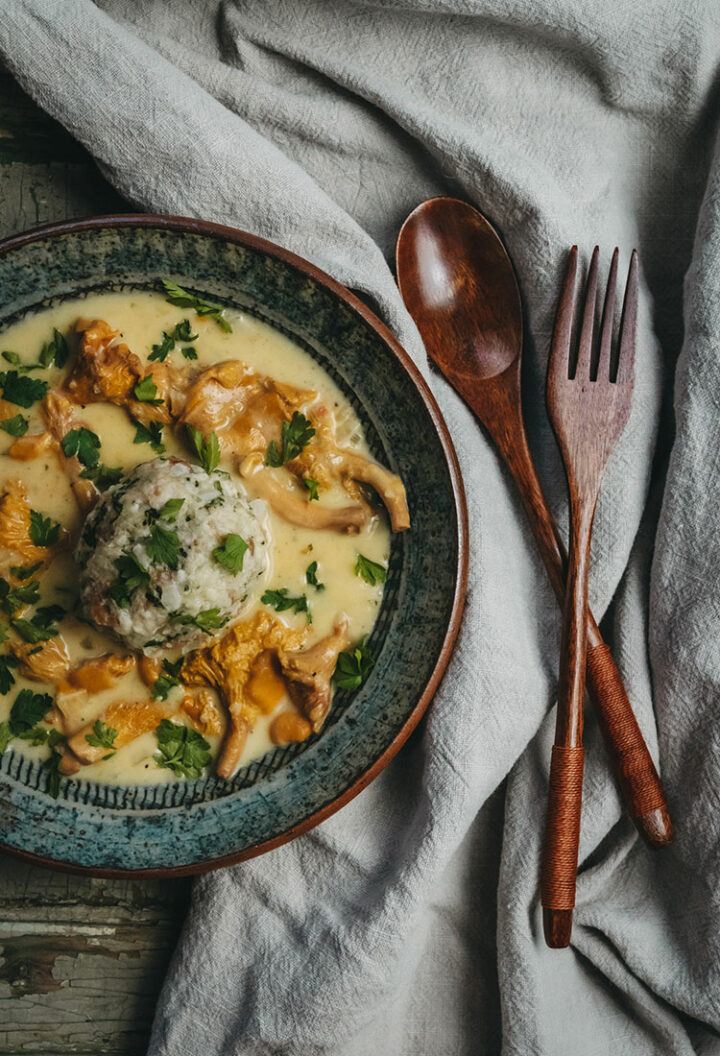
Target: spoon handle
x,y
640,785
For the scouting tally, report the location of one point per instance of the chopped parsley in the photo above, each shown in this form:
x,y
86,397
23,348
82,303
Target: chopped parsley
x,y
25,571
208,620
231,554
181,332
163,546
14,598
312,487
169,678
20,389
184,299
280,600
54,351
295,435
42,735
150,434
102,476
43,530
52,765
181,749
41,626
146,391
28,709
369,570
171,509
189,353
82,444
7,679
102,736
311,576
354,666
131,575
208,451
16,426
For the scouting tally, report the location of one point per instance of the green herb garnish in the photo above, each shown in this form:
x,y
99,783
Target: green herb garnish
x,y
82,444
207,620
184,299
208,451
311,576
54,351
163,546
43,530
20,389
369,570
131,575
280,600
312,487
102,736
16,426
354,666
189,353
181,749
146,391
171,509
102,476
7,679
28,709
295,435
150,434
169,678
14,598
231,554
25,571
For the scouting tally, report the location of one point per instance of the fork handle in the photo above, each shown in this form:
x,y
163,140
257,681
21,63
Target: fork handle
x,y
640,785
638,779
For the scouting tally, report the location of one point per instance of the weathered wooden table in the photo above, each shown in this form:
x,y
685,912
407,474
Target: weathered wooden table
x,y
81,960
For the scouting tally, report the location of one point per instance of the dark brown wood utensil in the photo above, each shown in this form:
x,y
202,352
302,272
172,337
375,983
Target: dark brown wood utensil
x,y
589,405
460,287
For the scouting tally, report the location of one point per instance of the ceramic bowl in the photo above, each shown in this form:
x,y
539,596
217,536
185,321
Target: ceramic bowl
x,y
190,826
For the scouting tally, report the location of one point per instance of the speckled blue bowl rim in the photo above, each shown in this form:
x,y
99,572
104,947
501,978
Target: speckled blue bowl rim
x,y
296,826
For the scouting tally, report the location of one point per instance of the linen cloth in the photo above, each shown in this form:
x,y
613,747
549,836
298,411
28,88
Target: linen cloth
x,y
409,922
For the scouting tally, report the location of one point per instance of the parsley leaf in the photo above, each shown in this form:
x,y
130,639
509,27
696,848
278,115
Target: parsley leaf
x,y
208,451
7,679
16,426
52,765
163,546
20,389
312,487
43,530
103,476
83,444
28,709
181,749
184,299
170,677
146,391
369,570
54,351
171,509
150,434
12,599
25,571
189,353
40,627
160,351
280,601
354,666
102,736
207,620
42,735
311,576
131,575
231,554
295,435
181,332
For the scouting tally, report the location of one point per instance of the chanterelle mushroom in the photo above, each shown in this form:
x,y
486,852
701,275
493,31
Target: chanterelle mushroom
x,y
309,671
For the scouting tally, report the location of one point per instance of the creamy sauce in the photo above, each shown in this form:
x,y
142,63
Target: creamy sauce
x,y
141,319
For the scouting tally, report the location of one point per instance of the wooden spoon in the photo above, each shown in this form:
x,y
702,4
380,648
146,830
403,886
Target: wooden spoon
x,y
460,287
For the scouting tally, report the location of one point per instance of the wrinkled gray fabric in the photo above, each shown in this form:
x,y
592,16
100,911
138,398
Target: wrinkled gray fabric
x,y
409,923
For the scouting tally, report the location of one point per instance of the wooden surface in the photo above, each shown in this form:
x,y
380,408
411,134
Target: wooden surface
x,y
81,960
470,317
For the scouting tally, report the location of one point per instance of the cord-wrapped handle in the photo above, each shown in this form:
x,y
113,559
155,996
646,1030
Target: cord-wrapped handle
x,y
639,782
562,840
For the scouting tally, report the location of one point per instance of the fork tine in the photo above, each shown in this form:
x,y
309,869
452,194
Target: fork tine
x,y
608,318
560,346
626,356
584,356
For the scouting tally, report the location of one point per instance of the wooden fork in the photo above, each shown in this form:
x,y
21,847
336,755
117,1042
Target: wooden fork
x,y
589,406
